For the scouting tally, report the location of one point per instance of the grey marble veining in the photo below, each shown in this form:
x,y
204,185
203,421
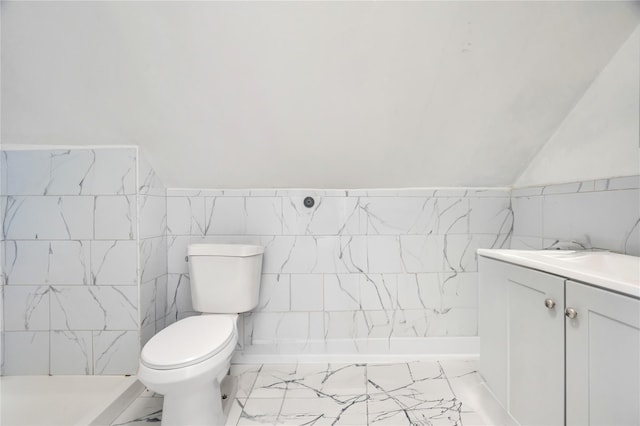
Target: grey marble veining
x,y
186,215
148,180
115,217
411,393
148,292
153,208
29,262
600,214
116,352
328,216
153,258
94,308
69,172
75,227
161,302
71,352
243,215
49,217
366,270
27,308
178,298
114,262
363,270
153,216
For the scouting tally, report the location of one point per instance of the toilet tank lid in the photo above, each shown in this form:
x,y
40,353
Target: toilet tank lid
x,y
232,250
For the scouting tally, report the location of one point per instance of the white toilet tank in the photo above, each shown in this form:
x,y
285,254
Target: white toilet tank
x,y
225,278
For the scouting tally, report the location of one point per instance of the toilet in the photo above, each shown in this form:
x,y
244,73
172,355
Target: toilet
x,y
187,361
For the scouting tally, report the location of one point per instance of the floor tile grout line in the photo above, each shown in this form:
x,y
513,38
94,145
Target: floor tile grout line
x,y
246,399
454,414
452,392
366,389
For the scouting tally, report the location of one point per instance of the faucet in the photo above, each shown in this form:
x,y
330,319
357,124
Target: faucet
x,y
571,245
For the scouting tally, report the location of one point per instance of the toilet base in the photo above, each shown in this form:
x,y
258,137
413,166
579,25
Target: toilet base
x,y
192,394
228,387
197,406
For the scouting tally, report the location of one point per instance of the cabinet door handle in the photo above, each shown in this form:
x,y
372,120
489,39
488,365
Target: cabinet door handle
x,y
571,313
549,303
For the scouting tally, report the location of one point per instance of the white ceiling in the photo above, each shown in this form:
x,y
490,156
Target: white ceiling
x,y
307,94
600,138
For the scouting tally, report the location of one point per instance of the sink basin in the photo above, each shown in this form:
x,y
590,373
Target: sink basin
x,y
612,271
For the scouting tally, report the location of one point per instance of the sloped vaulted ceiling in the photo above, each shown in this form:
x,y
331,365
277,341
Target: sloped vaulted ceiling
x,y
307,94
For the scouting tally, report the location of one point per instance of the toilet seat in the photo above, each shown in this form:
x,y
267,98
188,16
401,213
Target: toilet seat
x,y
188,342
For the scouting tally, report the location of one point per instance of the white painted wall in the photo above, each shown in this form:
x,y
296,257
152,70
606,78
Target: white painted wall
x,y
600,137
307,94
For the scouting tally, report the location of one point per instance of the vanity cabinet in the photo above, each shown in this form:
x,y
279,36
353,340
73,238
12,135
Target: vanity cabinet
x,y
526,340
521,326
603,357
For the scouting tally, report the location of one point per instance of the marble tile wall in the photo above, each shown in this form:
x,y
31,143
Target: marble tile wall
x,y
359,272
94,248
152,207
601,213
71,260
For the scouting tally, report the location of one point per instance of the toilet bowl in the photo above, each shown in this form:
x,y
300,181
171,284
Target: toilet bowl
x,y
187,361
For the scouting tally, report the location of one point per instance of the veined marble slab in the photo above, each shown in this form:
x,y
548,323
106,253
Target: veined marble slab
x,y
443,392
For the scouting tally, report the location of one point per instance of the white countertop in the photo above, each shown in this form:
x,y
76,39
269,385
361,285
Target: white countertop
x,y
612,271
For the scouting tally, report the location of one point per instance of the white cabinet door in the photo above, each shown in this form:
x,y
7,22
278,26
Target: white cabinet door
x,y
535,369
492,325
603,357
522,341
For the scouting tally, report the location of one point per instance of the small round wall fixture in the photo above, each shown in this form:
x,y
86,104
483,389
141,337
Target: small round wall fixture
x,y
309,202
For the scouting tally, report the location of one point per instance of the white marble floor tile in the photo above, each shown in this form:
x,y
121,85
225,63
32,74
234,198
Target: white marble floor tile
x,y
143,411
323,411
464,380
235,412
458,368
473,419
274,380
429,389
412,393
340,382
414,410
246,375
344,379
261,411
387,377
